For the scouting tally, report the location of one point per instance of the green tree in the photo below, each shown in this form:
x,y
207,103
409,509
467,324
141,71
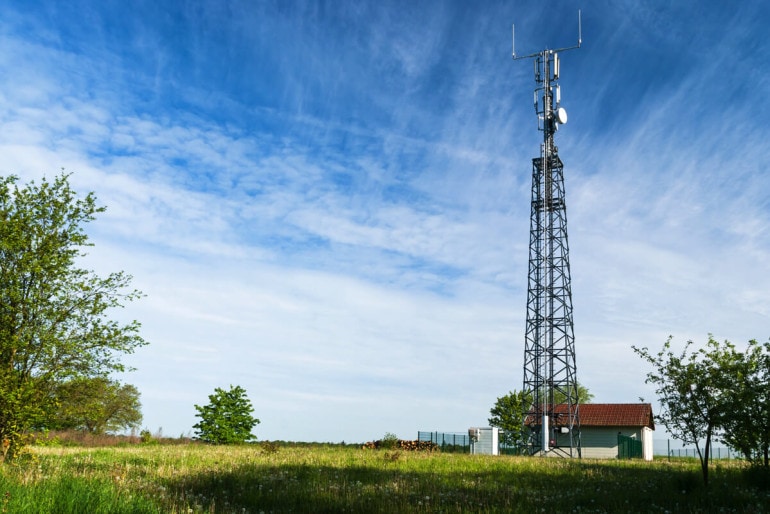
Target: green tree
x,y
746,421
584,395
227,418
509,411
508,415
95,405
54,315
690,388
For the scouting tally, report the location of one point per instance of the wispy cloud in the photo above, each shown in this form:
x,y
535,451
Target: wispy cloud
x,y
329,204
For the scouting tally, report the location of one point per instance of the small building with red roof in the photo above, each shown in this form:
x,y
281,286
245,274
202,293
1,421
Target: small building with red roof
x,y
600,426
601,423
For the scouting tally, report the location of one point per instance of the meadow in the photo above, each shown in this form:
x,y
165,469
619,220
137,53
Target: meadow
x,y
262,478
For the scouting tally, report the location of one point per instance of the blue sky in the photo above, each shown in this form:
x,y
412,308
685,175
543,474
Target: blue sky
x,y
327,203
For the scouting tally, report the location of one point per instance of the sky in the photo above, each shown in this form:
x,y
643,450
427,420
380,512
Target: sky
x,y
327,203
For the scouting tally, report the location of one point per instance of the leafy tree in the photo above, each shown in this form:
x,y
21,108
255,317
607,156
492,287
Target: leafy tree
x,y
95,405
508,415
690,387
584,395
227,418
509,411
746,423
54,315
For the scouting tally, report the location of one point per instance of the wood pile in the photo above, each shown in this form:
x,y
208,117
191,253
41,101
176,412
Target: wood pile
x,y
401,444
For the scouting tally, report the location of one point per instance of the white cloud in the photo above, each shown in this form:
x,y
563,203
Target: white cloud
x,y
341,226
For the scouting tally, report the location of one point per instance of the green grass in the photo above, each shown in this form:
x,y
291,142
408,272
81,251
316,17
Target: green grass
x,y
245,479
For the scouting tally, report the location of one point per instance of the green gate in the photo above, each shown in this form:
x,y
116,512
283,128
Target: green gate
x,y
629,448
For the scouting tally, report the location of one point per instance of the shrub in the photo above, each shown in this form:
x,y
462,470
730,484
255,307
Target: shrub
x,y
389,441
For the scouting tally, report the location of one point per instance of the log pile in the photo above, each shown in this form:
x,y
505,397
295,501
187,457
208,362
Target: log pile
x,y
402,444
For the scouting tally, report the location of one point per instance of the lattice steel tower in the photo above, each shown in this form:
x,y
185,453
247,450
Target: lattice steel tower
x,y
552,422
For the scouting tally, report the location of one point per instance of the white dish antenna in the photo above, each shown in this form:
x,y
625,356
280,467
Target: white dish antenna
x,y
561,115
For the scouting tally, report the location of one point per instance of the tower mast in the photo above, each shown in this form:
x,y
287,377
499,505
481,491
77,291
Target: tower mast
x,y
552,421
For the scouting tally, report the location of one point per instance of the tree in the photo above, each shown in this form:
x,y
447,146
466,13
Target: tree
x,y
746,423
716,391
227,418
690,388
95,405
508,415
584,395
54,315
509,411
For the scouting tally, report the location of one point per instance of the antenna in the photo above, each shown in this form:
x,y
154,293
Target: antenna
x,y
579,43
552,422
580,30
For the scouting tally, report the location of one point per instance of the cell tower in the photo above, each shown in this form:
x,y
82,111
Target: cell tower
x,y
552,422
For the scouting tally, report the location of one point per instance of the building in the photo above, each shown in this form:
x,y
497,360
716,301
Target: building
x,y
601,423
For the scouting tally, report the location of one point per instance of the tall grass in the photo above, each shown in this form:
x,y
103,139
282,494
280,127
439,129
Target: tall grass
x,y
249,479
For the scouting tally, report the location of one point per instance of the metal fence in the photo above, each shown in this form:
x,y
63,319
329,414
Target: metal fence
x,y
451,442
663,448
459,442
715,453
629,448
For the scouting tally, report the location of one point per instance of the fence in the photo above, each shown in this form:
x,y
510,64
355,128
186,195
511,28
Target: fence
x,y
629,448
714,453
449,442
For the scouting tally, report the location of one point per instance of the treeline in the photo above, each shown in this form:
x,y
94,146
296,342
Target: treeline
x,y
80,438
94,405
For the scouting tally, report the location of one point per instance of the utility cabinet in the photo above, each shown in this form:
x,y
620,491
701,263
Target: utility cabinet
x,y
484,441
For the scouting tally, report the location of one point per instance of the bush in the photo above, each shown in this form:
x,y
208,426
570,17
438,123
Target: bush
x,y
389,441
269,448
758,477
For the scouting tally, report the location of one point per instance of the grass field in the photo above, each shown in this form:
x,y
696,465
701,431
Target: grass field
x,y
251,479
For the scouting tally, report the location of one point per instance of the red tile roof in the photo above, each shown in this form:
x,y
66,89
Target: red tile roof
x,y
616,415
608,415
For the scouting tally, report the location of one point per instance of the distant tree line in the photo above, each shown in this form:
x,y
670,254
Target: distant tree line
x,y
95,405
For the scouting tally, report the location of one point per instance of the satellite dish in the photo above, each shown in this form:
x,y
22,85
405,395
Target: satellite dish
x,y
561,115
